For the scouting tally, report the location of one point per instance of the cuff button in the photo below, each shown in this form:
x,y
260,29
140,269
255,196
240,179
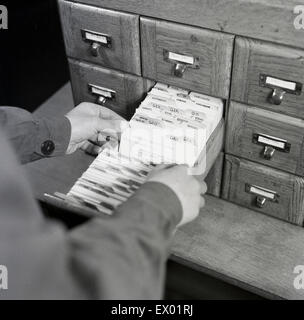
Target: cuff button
x,y
47,147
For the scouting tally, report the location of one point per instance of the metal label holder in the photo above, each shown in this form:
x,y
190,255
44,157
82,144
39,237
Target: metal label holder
x,y
103,94
279,88
96,40
271,142
181,62
262,194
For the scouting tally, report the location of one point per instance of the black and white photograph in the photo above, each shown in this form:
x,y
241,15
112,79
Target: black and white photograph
x,y
152,153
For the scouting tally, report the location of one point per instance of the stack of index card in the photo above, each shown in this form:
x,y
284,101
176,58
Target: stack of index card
x,y
109,181
171,125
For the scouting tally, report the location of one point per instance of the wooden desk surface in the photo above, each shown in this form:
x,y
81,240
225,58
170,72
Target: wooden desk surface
x,y
237,245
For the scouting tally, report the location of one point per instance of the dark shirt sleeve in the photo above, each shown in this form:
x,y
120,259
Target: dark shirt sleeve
x,y
34,138
118,258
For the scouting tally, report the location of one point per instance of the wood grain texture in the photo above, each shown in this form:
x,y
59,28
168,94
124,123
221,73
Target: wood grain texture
x,y
271,20
253,58
211,161
130,90
290,188
213,49
214,146
245,121
123,29
214,177
251,250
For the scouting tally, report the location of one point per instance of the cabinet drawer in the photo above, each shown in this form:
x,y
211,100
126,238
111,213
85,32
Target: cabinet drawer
x,y
270,76
119,91
104,37
269,138
264,189
189,57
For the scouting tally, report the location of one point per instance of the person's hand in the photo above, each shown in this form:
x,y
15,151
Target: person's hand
x,y
188,190
93,123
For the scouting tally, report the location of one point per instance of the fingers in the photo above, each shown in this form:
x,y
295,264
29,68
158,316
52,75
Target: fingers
x,y
98,139
91,148
105,137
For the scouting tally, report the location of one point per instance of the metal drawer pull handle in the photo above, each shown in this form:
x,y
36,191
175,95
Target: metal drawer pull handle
x,y
97,40
277,96
179,69
103,94
263,195
260,201
279,88
268,152
181,62
270,144
95,49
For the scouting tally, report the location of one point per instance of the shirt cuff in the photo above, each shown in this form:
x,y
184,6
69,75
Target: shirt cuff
x,y
53,137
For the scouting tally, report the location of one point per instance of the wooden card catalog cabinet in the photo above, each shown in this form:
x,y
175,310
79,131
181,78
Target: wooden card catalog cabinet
x,y
118,49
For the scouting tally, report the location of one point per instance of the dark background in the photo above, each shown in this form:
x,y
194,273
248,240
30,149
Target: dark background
x,y
32,55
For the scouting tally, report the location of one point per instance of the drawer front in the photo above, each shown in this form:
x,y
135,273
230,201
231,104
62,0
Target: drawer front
x,y
269,76
188,57
266,137
105,37
264,189
115,90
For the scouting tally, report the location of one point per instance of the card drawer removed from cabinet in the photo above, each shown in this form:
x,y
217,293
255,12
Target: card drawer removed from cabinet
x,y
104,37
267,137
189,57
118,91
270,76
264,189
161,131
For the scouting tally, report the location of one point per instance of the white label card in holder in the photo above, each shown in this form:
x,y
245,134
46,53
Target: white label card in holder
x,y
263,192
281,83
96,37
102,91
180,58
272,141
